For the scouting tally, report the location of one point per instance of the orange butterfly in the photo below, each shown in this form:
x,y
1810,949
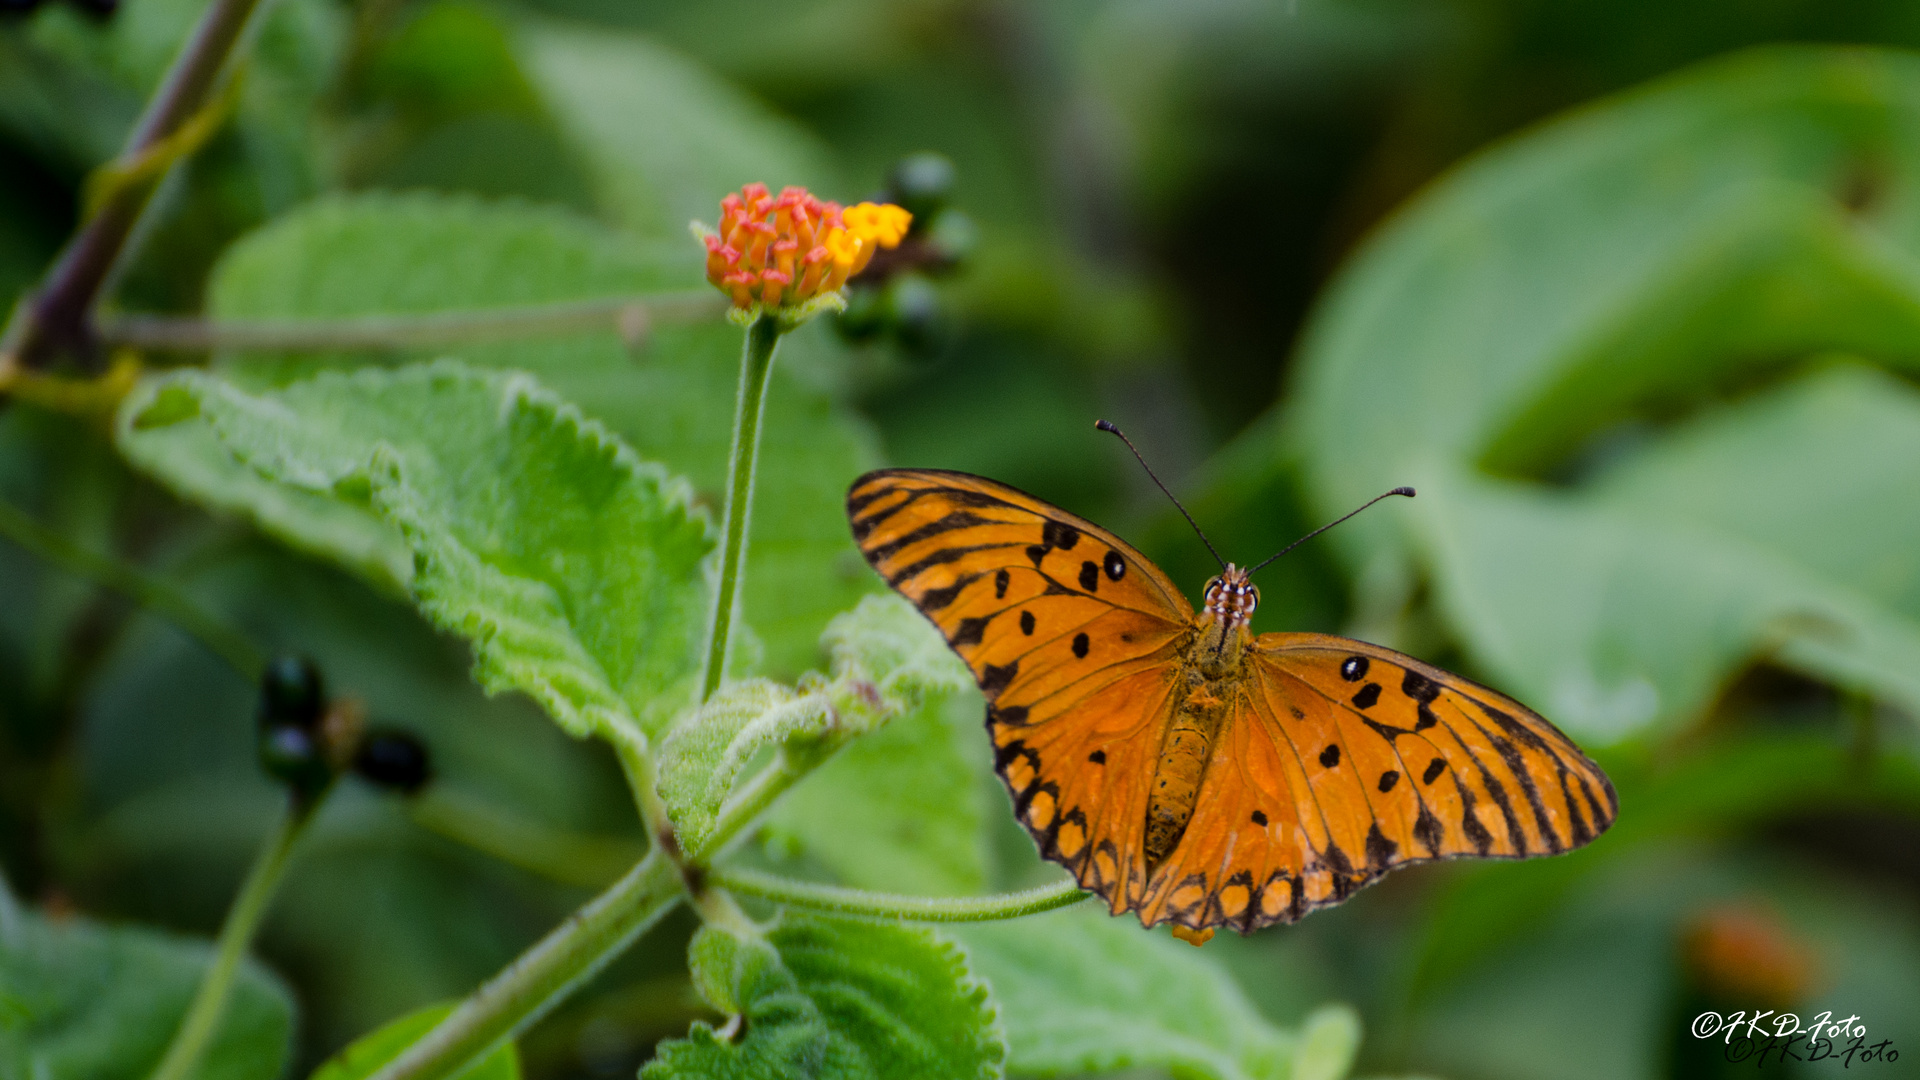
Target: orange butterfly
x,y
1182,768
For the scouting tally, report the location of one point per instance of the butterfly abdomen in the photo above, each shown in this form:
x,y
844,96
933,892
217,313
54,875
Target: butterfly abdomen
x,y
1181,766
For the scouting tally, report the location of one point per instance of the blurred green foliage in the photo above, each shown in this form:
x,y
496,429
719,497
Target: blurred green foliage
x,y
1650,364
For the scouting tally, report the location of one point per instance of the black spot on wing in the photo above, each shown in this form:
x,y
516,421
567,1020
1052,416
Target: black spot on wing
x,y
1424,692
1116,566
1001,580
1090,576
1337,860
1259,818
1098,757
994,678
1080,645
1368,694
1330,757
1387,780
1380,850
970,631
1428,830
1354,668
938,599
1434,769
1059,534
1011,715
1037,552
1026,623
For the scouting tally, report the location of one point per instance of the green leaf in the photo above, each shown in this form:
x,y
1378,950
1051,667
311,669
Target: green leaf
x,y
900,810
190,459
573,566
663,138
1561,307
368,1053
837,998
672,401
1083,992
886,662
79,1000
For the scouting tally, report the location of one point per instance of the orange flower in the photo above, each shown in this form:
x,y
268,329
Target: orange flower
x,y
791,253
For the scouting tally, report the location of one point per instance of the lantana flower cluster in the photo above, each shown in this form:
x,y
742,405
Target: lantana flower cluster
x,y
791,253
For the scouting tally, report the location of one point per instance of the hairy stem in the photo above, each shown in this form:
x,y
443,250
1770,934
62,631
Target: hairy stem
x,y
889,906
544,975
756,362
55,320
137,585
243,918
631,315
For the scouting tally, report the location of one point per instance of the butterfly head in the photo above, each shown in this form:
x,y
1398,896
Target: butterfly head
x,y
1230,597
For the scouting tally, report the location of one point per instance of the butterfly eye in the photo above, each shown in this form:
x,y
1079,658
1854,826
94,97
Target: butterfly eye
x,y
1253,591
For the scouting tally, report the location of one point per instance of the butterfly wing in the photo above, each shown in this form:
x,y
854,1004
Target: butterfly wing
x,y
1342,760
1073,636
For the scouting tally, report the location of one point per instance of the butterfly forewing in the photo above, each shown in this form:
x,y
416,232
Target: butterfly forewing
x,y
1498,778
1072,635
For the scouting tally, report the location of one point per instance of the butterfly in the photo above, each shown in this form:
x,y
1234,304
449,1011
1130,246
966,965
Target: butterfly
x,y
1180,767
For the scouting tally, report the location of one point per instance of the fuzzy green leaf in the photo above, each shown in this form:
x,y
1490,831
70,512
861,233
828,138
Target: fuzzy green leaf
x,y
837,999
1568,303
573,566
672,401
885,662
79,1000
1083,992
368,1053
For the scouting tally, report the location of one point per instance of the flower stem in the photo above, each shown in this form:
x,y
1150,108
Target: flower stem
x,y
889,906
137,585
756,363
543,975
243,918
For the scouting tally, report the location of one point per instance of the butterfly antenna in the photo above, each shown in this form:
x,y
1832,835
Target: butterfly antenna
x,y
1407,491
1106,425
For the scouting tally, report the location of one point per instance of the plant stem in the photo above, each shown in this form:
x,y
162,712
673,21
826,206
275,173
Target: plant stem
x,y
756,362
137,585
243,918
889,906
56,319
543,975
626,313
